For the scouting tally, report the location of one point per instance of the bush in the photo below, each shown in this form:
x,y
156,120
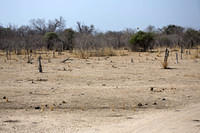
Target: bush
x,y
50,38
141,41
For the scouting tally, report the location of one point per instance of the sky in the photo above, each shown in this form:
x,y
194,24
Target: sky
x,y
104,14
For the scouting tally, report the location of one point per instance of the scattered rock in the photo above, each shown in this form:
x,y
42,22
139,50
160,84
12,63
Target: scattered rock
x,y
46,105
11,121
140,105
4,97
163,99
146,103
114,66
154,103
131,60
38,107
153,89
103,84
106,57
196,120
42,80
129,117
63,102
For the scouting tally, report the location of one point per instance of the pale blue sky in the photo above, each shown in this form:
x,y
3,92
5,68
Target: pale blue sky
x,y
104,14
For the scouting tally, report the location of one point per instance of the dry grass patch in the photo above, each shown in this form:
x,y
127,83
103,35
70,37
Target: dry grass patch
x,y
165,65
195,55
85,54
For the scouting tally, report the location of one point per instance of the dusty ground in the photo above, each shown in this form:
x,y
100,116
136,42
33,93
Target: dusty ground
x,y
100,94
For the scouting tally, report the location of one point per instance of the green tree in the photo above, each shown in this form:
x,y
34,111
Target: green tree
x,y
173,29
141,40
67,38
50,38
192,37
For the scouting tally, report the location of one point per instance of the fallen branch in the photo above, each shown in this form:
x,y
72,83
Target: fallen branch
x,y
66,60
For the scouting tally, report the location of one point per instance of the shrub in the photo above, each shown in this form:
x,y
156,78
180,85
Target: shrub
x,y
141,40
50,38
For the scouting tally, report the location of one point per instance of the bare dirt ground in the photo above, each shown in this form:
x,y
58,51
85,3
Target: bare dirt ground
x,y
100,94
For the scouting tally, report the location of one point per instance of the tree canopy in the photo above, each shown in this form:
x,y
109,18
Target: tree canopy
x,y
141,40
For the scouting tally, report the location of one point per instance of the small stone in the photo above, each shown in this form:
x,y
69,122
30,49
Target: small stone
x,y
4,97
154,103
38,107
151,89
140,105
103,84
131,60
63,102
163,99
46,105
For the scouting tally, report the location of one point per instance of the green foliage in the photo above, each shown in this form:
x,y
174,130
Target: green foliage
x,y
68,39
51,38
141,40
192,37
173,29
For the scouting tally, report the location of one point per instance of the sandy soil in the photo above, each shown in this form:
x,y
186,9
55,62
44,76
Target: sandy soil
x,y
100,94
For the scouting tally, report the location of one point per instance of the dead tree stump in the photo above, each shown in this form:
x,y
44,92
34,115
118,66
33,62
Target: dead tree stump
x,y
7,54
40,64
176,58
131,60
181,53
166,55
54,56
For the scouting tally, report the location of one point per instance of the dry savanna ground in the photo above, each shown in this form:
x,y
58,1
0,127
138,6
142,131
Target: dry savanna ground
x,y
128,93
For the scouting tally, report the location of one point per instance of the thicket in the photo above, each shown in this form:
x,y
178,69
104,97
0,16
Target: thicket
x,y
53,35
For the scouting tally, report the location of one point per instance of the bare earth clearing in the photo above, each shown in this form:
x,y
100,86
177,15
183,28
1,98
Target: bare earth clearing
x,y
100,94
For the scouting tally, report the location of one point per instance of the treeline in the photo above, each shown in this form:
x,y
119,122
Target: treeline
x,y
53,35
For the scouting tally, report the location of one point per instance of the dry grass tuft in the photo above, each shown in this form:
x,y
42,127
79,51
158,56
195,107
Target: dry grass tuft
x,y
165,65
195,55
85,54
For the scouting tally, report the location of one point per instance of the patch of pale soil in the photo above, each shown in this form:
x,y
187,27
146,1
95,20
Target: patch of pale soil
x,y
84,93
186,120
182,120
